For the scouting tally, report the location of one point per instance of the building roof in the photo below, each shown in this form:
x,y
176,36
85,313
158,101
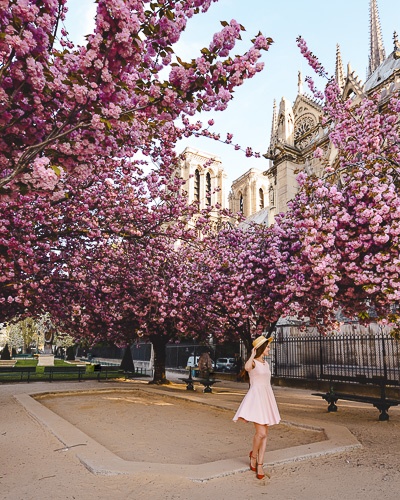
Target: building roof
x,y
383,72
260,217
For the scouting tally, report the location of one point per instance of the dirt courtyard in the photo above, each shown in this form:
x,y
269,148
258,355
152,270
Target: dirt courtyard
x,y
138,425
185,432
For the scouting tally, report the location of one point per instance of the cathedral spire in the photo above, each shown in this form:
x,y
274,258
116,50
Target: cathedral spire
x,y
339,73
377,52
396,46
299,84
274,123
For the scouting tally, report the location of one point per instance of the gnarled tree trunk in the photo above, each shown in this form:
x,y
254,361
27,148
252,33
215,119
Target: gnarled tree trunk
x,y
159,345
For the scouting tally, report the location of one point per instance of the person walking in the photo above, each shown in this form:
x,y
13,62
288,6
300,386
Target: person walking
x,y
205,365
259,404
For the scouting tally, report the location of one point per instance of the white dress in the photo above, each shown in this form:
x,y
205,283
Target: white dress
x,y
259,404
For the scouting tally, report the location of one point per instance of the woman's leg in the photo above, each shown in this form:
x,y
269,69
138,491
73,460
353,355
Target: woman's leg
x,y
263,444
259,442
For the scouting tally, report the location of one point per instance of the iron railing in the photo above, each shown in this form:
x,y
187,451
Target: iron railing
x,y
339,357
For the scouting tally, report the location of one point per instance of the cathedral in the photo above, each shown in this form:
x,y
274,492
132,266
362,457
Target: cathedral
x,y
295,134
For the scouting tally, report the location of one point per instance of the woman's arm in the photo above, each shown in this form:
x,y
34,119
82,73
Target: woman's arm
x,y
250,362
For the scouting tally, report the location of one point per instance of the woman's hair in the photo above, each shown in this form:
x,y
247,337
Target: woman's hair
x,y
261,349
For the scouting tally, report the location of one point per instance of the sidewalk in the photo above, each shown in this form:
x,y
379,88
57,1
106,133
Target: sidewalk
x,y
35,464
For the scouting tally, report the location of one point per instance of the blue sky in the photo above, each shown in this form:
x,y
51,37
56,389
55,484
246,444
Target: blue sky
x,y
323,24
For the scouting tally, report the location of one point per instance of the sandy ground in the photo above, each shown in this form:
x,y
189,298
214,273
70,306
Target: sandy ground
x,y
142,426
184,432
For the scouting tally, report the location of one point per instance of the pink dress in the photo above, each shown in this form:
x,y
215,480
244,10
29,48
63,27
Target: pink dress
x,y
259,404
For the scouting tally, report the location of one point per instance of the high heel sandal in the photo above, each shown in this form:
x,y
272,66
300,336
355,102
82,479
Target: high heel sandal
x,y
251,456
261,476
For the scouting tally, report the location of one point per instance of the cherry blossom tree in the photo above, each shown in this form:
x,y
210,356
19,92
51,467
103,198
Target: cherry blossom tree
x,y
77,119
71,109
110,268
342,230
227,285
336,248
124,288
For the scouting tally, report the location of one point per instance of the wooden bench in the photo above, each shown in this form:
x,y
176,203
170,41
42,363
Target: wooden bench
x,y
10,373
7,362
64,370
382,403
103,372
50,373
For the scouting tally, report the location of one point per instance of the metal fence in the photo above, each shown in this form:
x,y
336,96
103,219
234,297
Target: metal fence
x,y
177,355
339,356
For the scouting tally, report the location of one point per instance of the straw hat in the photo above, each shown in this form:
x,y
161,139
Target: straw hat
x,y
261,340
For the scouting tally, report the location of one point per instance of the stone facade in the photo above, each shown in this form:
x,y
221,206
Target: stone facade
x,y
297,131
205,178
249,193
295,134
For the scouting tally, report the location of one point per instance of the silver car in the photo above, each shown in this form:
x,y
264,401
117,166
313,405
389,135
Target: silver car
x,y
225,364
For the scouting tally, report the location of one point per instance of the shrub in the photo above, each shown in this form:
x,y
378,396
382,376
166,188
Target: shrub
x,y
5,353
127,361
71,353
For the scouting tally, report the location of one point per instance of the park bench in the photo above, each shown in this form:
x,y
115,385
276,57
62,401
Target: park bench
x,y
206,382
60,371
7,362
189,381
104,371
382,403
99,372
50,373
16,373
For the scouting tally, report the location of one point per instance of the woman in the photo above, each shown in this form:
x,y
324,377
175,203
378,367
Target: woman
x,y
205,365
259,405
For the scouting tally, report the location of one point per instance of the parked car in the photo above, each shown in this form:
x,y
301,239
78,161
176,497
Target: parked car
x,y
225,364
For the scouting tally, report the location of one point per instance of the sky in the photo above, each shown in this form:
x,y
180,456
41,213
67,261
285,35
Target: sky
x,y
322,24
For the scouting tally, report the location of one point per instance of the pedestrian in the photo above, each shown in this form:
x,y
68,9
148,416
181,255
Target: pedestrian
x,y
205,365
238,366
259,405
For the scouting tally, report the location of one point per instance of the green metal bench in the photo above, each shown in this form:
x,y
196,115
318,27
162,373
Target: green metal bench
x,y
382,403
16,373
58,371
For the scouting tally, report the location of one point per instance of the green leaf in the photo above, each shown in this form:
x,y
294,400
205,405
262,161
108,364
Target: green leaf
x,y
56,170
107,123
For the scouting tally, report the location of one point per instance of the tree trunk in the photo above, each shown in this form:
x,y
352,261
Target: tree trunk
x,y
159,345
245,335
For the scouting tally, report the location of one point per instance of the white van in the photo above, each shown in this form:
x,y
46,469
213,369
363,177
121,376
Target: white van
x,y
192,361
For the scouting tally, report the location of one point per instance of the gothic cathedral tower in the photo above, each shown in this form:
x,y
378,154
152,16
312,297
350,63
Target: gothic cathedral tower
x,y
205,178
297,130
